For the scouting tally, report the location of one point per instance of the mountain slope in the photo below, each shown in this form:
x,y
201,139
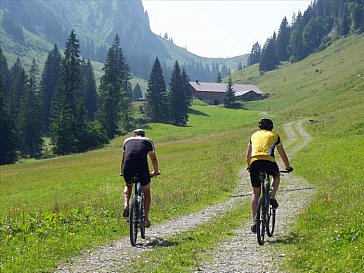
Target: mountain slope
x,y
330,81
29,28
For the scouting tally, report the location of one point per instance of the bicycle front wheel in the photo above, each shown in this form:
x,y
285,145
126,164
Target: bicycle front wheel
x,y
260,222
133,222
271,221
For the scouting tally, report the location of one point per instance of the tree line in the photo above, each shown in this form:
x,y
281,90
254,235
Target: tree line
x,y
323,22
63,105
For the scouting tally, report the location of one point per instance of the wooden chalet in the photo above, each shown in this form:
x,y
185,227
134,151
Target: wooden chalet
x,y
213,93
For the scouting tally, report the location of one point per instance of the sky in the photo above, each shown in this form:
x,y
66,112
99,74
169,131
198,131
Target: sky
x,y
220,28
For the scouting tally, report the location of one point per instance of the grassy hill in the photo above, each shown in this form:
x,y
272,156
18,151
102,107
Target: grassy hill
x,y
52,209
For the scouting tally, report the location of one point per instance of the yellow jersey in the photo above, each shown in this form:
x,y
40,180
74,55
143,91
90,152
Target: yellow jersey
x,y
262,145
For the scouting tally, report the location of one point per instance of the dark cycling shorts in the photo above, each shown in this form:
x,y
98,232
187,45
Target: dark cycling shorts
x,y
143,175
269,167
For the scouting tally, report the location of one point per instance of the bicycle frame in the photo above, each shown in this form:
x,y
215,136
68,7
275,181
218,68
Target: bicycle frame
x,y
136,215
266,214
264,211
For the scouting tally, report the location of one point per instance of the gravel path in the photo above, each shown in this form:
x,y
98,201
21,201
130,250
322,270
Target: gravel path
x,y
242,253
238,255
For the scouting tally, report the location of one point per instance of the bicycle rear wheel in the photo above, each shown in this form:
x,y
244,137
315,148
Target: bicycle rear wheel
x,y
260,222
133,222
271,221
142,220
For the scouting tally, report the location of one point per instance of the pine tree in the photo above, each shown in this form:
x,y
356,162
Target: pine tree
x,y
156,95
4,71
283,40
313,33
114,91
137,92
269,60
356,9
187,94
89,89
177,97
125,113
8,141
69,121
218,79
16,90
255,54
30,117
229,97
296,47
50,77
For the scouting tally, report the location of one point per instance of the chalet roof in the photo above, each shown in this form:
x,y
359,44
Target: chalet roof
x,y
239,89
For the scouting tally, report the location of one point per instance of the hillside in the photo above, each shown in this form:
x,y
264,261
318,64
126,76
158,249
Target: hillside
x,y
30,28
326,86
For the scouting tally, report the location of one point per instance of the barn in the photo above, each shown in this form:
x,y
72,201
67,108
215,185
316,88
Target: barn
x,y
213,93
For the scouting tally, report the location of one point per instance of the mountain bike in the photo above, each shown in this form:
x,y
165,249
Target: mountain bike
x,y
266,213
136,213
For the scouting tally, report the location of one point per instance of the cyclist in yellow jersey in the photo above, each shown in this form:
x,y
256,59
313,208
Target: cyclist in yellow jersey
x,y
260,157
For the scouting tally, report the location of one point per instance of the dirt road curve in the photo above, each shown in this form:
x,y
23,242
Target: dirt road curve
x,y
238,255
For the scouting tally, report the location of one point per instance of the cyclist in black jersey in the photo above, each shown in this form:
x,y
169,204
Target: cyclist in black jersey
x,y
135,162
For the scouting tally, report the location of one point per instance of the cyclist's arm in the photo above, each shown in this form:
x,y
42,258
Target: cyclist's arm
x,y
122,163
249,154
153,157
283,155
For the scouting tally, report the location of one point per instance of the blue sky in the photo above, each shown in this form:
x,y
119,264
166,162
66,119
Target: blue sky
x,y
220,28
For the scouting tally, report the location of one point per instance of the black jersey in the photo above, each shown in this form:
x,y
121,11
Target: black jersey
x,y
135,151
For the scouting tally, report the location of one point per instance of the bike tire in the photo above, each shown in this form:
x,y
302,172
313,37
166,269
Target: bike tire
x,y
260,222
271,221
142,220
133,222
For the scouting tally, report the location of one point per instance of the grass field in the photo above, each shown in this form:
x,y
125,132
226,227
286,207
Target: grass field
x,y
52,209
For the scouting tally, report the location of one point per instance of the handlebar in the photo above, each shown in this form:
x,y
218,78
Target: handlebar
x,y
151,175
281,171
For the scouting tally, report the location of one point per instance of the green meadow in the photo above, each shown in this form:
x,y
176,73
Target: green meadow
x,y
53,209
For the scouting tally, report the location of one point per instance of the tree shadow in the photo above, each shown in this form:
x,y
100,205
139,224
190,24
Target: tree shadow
x,y
197,113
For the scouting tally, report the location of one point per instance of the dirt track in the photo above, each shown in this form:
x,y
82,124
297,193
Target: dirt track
x,y
237,255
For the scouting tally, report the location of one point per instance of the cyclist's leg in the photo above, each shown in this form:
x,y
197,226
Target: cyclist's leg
x,y
128,188
147,201
255,199
274,171
127,193
144,177
275,184
256,185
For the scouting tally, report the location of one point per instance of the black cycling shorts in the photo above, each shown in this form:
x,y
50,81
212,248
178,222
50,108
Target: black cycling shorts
x,y
143,175
269,167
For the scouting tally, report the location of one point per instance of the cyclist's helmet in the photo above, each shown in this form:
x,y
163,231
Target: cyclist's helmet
x,y
139,132
266,124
